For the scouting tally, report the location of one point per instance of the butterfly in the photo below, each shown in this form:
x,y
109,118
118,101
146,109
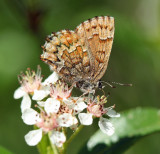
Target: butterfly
x,y
81,56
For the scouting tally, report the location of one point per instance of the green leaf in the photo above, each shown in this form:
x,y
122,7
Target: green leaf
x,y
4,150
130,127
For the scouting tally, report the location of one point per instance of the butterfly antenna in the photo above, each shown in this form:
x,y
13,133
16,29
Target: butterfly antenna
x,y
121,84
107,83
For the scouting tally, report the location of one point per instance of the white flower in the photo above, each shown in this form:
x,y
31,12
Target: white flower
x,y
30,116
19,93
85,118
33,137
45,123
41,93
51,105
44,90
67,120
26,103
79,107
112,113
30,81
31,84
75,103
106,126
51,79
42,120
60,91
57,138
95,109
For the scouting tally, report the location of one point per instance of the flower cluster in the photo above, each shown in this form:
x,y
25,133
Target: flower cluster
x,y
50,107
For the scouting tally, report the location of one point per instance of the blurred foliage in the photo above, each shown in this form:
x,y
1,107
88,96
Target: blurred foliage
x,y
129,128
135,58
4,151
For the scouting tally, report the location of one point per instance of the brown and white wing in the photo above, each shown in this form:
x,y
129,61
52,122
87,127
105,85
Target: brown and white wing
x,y
98,34
64,52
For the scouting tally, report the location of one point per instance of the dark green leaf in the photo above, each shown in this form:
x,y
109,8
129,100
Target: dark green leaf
x,y
131,126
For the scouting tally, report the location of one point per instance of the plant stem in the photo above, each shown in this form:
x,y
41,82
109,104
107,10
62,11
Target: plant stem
x,y
54,149
73,136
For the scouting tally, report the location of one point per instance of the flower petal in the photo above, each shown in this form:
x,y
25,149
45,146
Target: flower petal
x,y
57,138
40,94
68,102
67,120
33,137
79,106
30,116
106,126
51,79
51,105
72,100
19,93
85,118
112,113
26,103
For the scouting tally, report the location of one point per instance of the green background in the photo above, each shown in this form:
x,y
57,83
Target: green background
x,y
135,58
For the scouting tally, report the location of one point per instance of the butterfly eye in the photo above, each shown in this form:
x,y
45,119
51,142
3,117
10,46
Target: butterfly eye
x,y
100,86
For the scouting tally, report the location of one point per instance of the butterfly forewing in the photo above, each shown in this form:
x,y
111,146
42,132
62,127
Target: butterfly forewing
x,y
98,33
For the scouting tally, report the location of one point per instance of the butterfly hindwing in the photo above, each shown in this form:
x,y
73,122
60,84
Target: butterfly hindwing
x,y
66,55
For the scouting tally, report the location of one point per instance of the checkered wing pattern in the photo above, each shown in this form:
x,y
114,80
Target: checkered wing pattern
x,y
83,54
65,53
98,34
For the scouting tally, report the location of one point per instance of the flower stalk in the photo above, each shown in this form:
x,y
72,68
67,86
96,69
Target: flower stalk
x,y
73,135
